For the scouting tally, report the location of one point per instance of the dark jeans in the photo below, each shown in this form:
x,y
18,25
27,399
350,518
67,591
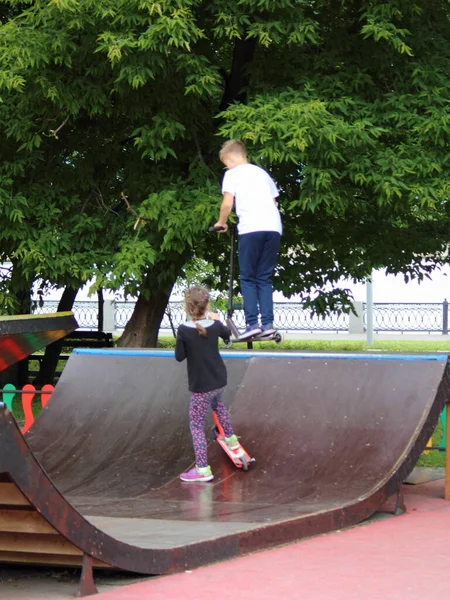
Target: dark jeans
x,y
258,252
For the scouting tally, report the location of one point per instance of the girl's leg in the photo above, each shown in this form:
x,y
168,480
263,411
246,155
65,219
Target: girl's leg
x,y
222,413
198,408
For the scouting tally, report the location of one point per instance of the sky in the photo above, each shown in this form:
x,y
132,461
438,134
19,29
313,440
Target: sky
x,y
393,288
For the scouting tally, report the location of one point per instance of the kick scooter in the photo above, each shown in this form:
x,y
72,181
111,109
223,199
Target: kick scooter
x,y
276,336
240,457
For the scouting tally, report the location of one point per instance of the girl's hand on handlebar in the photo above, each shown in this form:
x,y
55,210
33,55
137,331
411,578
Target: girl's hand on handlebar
x,y
214,316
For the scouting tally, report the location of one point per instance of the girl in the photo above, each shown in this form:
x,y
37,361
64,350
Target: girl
x,y
197,341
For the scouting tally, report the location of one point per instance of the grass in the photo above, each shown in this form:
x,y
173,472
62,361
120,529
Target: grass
x,y
434,458
33,365
17,409
307,345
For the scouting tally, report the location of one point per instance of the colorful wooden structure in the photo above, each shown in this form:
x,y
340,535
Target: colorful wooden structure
x,y
21,335
27,395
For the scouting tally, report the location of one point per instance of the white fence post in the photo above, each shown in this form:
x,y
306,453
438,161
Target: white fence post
x,y
356,322
109,316
369,308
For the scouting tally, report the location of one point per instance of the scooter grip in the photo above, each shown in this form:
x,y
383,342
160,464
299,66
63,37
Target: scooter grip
x,y
216,229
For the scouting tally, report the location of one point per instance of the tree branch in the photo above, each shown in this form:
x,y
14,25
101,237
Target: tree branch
x,y
54,132
139,219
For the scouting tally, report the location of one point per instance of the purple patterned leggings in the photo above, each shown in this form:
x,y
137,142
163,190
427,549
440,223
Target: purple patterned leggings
x,y
199,405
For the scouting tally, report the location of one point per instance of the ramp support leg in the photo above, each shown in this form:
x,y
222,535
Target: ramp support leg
x,y
87,585
400,507
395,504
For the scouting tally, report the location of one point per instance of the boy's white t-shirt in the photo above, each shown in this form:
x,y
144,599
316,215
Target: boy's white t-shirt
x,y
254,192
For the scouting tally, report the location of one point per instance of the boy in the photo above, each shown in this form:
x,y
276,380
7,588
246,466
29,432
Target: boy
x,y
254,194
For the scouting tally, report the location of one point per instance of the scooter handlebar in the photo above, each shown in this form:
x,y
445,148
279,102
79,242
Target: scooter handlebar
x,y
216,229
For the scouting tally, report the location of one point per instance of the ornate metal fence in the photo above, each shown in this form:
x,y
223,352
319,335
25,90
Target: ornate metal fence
x,y
431,317
86,313
123,314
289,316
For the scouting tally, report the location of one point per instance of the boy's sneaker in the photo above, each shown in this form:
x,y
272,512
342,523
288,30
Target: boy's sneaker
x,y
250,331
267,331
198,474
232,442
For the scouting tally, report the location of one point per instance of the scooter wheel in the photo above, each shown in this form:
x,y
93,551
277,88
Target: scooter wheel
x,y
278,338
244,462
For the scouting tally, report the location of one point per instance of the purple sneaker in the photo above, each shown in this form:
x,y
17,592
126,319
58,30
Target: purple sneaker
x,y
198,474
250,331
267,331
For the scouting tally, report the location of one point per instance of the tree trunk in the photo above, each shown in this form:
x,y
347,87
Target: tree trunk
x,y
49,364
142,329
238,79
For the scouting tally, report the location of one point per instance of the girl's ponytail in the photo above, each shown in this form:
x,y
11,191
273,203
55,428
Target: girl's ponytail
x,y
201,330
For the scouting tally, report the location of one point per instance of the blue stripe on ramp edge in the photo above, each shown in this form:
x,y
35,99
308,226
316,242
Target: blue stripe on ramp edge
x,y
258,354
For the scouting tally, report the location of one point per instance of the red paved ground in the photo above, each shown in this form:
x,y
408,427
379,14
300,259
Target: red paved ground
x,y
401,558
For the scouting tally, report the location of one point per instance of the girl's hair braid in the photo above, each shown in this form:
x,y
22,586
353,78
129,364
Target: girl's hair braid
x,y
197,300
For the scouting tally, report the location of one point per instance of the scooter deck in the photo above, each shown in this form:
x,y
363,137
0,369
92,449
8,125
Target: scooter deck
x,y
275,337
240,457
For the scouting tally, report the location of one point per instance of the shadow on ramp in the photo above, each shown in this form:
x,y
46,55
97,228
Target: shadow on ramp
x,y
97,475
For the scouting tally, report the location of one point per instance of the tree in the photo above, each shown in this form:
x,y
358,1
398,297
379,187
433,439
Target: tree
x,y
113,112
84,129
355,129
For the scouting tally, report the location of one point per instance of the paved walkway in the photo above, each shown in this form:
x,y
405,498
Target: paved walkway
x,y
401,558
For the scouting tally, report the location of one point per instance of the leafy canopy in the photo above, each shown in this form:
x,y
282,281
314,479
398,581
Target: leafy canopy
x,y
112,112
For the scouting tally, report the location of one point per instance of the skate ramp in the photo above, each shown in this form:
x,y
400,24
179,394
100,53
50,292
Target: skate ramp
x,y
21,335
334,436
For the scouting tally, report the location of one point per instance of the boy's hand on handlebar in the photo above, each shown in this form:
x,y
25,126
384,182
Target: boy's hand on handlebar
x,y
223,225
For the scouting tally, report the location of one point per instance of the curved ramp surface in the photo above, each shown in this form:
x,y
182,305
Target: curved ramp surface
x,y
334,436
